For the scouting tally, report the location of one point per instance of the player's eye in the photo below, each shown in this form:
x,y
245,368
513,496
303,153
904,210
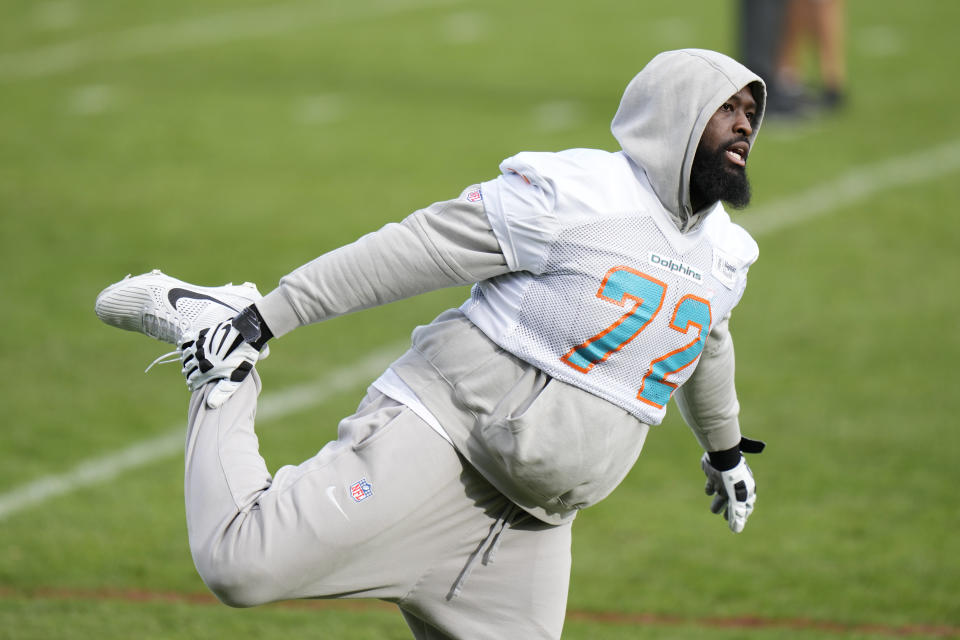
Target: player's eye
x,y
726,107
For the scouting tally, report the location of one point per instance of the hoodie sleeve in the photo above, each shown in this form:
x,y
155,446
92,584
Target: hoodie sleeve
x,y
708,400
447,244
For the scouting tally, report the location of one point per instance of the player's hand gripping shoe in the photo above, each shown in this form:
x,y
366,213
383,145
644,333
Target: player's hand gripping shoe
x,y
734,489
178,312
220,354
166,308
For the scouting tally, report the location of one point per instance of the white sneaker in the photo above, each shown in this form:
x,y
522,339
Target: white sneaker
x,y
166,308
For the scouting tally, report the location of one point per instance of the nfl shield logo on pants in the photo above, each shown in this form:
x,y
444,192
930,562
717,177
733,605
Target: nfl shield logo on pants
x,y
360,491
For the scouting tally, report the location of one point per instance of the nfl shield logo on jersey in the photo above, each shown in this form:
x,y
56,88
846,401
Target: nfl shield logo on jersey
x,y
361,490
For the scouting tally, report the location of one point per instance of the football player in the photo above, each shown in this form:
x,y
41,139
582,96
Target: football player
x,y
603,286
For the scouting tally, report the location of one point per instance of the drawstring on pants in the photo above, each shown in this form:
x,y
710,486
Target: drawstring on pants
x,y
491,542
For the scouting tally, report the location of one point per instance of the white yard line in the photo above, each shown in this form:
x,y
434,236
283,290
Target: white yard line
x,y
272,406
159,38
856,185
850,188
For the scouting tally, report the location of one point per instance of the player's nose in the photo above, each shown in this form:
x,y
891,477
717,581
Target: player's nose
x,y
742,125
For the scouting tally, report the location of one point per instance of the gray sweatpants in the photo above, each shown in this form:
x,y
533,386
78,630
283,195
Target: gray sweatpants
x,y
389,510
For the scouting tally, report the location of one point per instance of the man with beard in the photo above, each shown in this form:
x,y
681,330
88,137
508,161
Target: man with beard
x,y
603,286
719,165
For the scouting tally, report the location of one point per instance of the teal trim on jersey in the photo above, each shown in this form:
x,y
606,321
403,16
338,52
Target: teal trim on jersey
x,y
689,311
620,284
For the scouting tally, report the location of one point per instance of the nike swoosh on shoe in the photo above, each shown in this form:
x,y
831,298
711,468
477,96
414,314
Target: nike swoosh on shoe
x,y
177,293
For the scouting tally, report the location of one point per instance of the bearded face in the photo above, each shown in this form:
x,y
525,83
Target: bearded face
x,y
719,169
715,176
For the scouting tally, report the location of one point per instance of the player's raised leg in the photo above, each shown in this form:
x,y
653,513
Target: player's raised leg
x,y
366,516
389,510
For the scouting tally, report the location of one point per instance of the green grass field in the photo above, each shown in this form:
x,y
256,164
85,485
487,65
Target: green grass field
x,y
237,139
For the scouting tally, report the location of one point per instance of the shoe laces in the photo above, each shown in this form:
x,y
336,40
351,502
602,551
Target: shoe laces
x,y
167,358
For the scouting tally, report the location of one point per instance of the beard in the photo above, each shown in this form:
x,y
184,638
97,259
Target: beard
x,y
713,177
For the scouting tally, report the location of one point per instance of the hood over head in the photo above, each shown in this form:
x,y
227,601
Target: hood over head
x,y
664,111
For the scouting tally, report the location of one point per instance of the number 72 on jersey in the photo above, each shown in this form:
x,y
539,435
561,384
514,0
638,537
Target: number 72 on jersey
x,y
622,286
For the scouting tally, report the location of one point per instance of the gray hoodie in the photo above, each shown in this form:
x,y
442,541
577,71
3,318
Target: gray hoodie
x,y
664,111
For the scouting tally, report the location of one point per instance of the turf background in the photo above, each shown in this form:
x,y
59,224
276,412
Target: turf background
x,y
237,139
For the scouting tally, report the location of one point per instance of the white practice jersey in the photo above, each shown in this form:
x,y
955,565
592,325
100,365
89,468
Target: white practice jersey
x,y
605,293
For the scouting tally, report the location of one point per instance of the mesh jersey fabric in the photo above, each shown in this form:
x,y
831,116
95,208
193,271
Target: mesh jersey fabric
x,y
613,300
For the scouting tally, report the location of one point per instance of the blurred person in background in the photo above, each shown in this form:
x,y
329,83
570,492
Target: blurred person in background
x,y
775,35
820,24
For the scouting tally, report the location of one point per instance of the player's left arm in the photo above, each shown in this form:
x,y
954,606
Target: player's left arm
x,y
708,400
708,403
